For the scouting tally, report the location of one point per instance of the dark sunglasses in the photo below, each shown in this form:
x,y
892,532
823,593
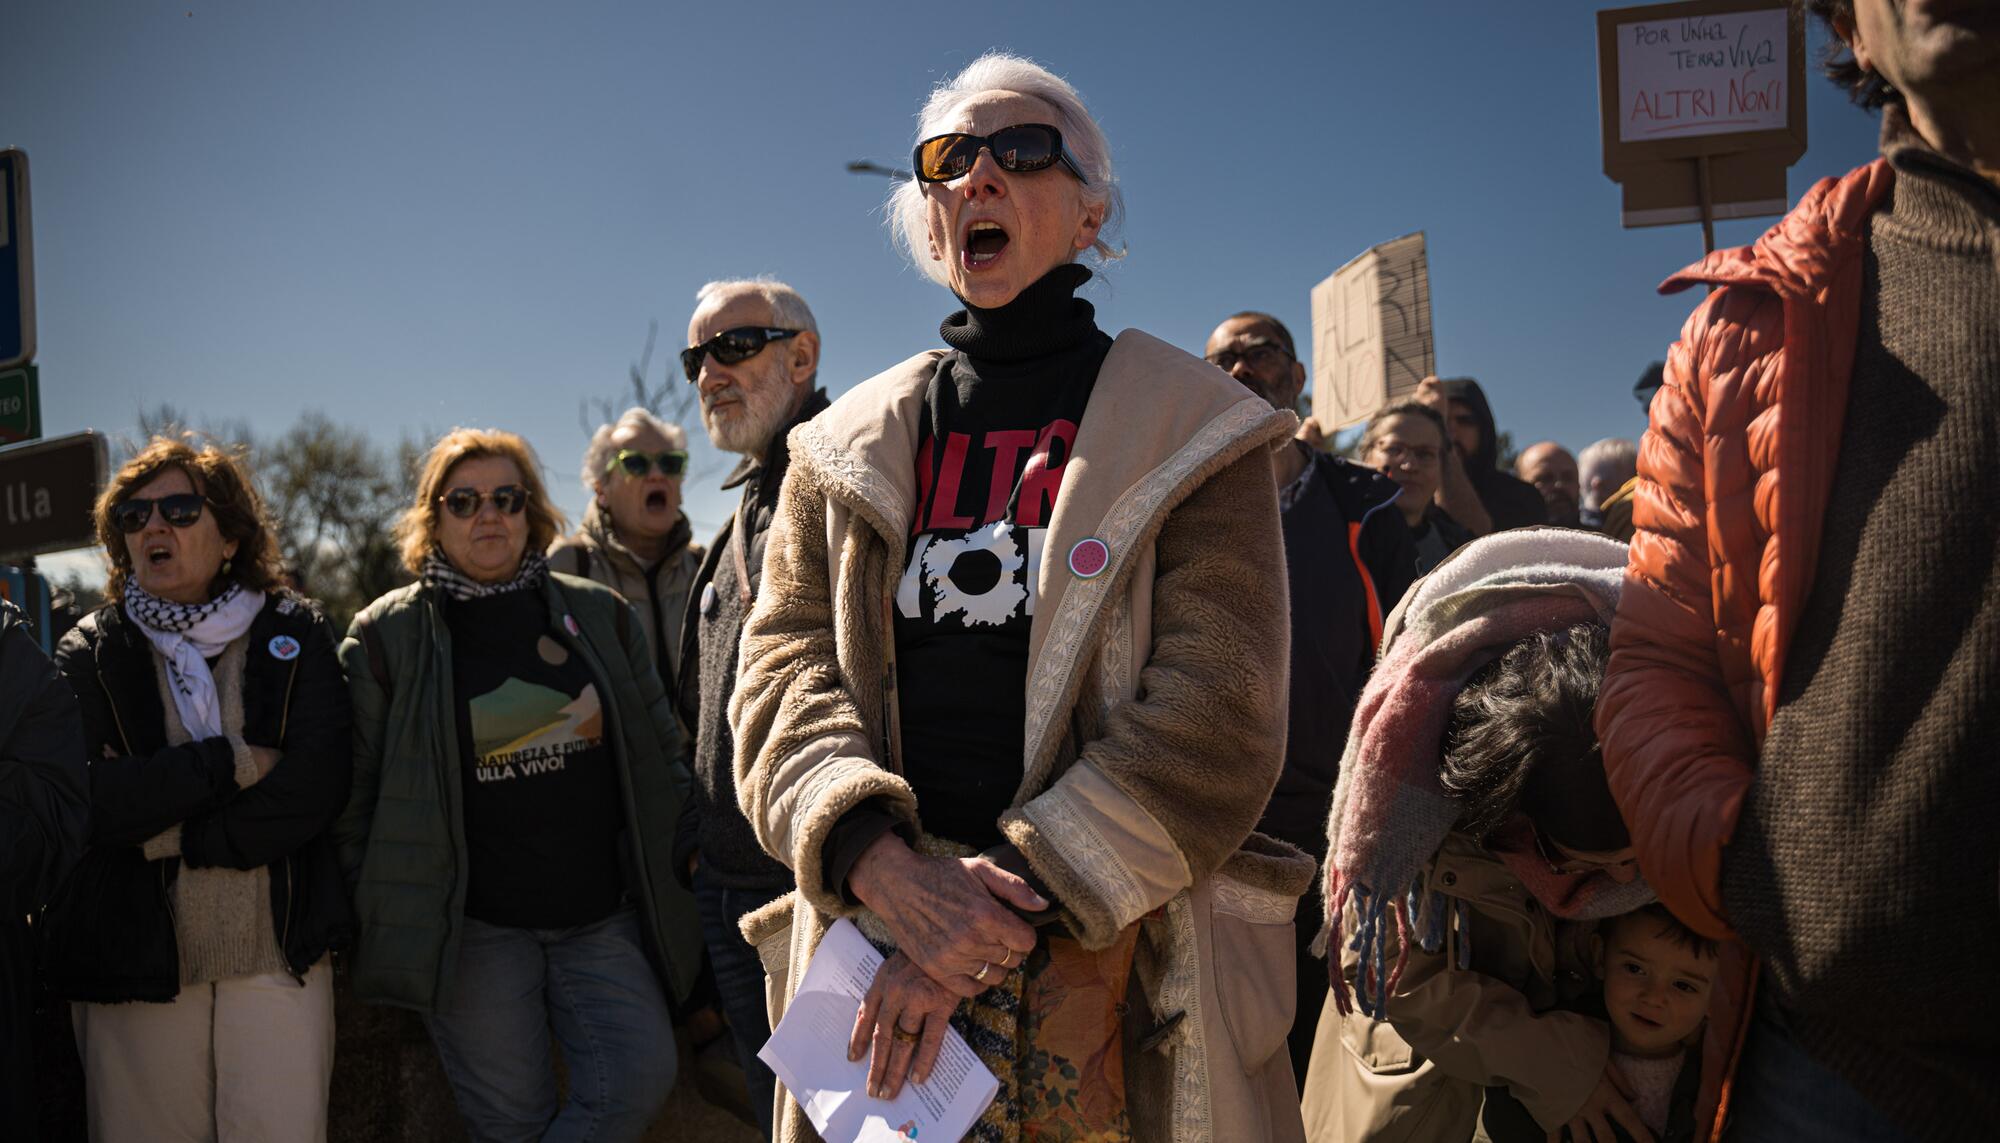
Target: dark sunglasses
x,y
731,346
181,510
672,462
465,503
1022,147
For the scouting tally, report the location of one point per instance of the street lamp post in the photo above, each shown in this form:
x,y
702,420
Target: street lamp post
x,y
870,167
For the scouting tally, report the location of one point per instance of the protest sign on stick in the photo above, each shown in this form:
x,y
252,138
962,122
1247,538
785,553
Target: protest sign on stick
x,y
1371,332
1703,108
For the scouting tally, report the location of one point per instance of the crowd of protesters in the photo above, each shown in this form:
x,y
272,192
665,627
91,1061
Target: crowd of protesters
x,y
1213,786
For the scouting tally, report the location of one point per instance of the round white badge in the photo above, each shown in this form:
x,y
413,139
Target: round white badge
x,y
284,648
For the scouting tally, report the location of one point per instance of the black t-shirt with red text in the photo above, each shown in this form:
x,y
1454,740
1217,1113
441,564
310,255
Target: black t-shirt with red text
x,y
1001,421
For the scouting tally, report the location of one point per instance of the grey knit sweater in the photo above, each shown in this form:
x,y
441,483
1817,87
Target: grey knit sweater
x,y
1866,868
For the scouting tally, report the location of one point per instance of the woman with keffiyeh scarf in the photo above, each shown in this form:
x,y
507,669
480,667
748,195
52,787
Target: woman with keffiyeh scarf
x,y
217,730
517,788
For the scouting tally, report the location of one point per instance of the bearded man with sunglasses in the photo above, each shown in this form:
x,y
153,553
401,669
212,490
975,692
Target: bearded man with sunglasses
x,y
753,350
635,539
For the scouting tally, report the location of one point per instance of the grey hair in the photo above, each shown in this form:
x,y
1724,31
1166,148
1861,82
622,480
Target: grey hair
x,y
788,309
598,453
1082,138
1612,454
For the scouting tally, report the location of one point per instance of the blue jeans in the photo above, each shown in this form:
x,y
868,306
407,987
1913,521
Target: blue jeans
x,y
1783,1094
595,987
739,977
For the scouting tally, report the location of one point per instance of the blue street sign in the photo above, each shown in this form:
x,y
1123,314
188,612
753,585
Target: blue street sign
x,y
29,592
17,263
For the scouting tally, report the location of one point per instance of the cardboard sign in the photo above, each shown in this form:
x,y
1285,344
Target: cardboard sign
x,y
1701,92
1371,332
1702,75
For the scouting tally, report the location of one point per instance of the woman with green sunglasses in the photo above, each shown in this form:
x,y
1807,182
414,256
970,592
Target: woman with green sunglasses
x,y
635,539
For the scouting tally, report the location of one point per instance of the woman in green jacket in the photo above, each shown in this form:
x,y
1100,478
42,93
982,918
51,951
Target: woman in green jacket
x,y
516,789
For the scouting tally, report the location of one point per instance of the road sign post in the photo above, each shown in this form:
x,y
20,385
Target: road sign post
x,y
17,263
48,490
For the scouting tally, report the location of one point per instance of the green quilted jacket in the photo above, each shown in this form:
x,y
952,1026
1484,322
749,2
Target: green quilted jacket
x,y
401,840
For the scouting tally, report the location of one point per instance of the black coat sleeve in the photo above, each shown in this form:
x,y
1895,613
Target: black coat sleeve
x,y
308,787
135,796
1389,555
44,783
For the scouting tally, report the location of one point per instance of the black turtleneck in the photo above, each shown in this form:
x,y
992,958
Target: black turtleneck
x,y
1002,413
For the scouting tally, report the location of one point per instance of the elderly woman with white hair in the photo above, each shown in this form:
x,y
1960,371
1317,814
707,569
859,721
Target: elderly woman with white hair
x,y
635,539
1013,695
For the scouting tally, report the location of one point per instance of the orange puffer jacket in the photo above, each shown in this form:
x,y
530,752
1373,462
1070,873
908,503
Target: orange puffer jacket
x,y
1734,476
1733,482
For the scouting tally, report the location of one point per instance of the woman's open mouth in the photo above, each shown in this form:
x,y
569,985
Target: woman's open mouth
x,y
983,243
159,554
656,500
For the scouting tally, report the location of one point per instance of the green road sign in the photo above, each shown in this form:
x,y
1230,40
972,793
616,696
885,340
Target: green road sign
x,y
20,404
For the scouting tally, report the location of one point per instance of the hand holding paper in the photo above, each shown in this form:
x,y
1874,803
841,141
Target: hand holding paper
x,y
809,1052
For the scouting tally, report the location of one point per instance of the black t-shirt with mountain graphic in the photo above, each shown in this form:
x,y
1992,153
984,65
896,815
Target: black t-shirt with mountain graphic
x,y
1001,421
542,807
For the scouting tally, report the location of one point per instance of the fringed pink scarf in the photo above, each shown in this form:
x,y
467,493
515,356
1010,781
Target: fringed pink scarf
x,y
1390,813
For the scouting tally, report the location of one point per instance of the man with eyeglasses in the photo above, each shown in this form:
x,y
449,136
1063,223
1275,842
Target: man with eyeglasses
x,y
635,539
1348,559
753,351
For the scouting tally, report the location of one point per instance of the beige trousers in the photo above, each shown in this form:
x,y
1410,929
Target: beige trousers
x,y
246,1060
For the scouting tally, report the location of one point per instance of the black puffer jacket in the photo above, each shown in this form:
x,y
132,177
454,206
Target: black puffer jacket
x,y
110,934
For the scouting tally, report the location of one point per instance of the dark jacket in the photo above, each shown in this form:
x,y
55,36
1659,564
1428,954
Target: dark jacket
x,y
110,935
1348,560
44,819
402,837
709,634
1512,503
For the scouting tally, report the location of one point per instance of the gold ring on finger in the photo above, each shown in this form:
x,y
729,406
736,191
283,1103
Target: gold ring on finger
x,y
984,968
901,1034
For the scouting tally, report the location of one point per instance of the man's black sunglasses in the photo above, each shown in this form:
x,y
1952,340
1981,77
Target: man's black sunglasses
x,y
1022,147
731,346
181,510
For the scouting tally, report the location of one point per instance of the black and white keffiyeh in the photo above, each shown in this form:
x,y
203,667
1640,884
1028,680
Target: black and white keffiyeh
x,y
187,635
439,573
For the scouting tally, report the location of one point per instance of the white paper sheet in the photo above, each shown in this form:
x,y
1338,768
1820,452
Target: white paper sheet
x,y
808,1051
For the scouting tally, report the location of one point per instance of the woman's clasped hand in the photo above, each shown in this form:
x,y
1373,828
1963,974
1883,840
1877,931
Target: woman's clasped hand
x,y
956,938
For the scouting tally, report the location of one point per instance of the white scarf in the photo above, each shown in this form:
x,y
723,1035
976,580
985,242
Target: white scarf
x,y
187,635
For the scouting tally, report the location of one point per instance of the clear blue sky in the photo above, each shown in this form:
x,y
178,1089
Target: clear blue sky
x,y
414,215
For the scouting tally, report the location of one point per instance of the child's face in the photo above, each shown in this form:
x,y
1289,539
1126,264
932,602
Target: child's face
x,y
1655,990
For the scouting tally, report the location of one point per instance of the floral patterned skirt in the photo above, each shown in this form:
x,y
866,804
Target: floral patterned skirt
x,y
1052,1033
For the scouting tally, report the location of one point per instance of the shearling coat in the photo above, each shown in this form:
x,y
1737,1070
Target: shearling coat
x,y
1155,716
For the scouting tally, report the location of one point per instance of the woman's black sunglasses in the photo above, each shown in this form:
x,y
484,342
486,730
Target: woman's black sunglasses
x,y
181,510
465,503
672,462
731,346
1022,147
